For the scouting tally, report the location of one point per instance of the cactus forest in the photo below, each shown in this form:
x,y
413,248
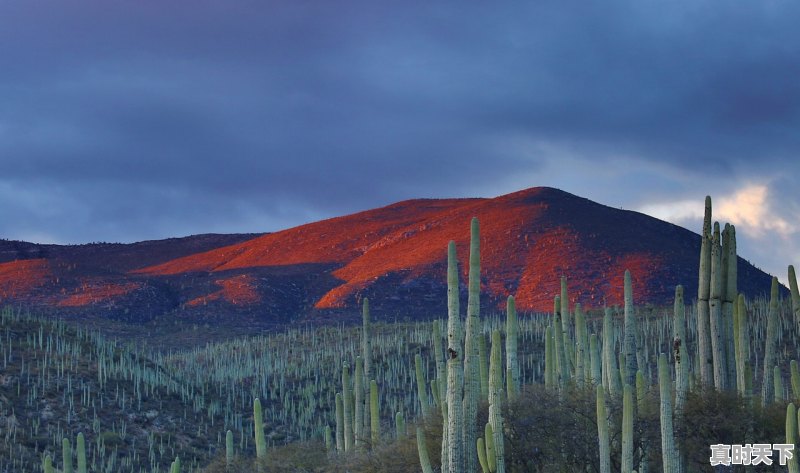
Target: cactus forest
x,y
612,389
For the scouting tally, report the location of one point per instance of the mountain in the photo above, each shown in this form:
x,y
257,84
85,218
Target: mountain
x,y
395,255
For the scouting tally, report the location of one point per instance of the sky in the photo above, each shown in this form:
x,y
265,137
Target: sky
x,y
129,120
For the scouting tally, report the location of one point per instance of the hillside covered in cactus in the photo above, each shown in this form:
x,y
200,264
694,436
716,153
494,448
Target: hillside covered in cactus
x,y
393,255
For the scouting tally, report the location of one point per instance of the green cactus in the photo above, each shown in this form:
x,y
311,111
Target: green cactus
x,y
358,391
176,465
482,455
767,384
400,425
347,405
258,426
453,462
795,295
229,446
374,413
743,350
630,334
326,435
549,359
80,446
472,384
669,454
602,431
483,365
715,311
422,448
66,452
422,392
627,429
366,345
339,423
496,402
491,453
48,464
594,360
778,381
791,436
562,371
795,379
582,357
679,351
703,294
730,295
512,334
438,354
612,380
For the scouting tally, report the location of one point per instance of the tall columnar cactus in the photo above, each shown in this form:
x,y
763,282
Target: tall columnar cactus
x,y
48,464
669,454
627,429
512,366
453,462
566,325
482,455
582,355
715,311
339,423
229,448
358,391
549,359
767,386
743,347
258,428
80,445
630,333
438,354
602,431
472,384
730,294
594,353
703,294
795,379
795,295
66,453
483,364
610,370
422,392
347,404
679,351
562,371
422,449
176,465
400,425
778,381
374,413
496,401
792,436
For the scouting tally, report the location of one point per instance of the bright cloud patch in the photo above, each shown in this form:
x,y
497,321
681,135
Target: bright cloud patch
x,y
750,211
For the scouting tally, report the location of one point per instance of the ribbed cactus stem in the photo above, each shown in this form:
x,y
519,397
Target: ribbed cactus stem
x,y
229,447
582,356
595,361
374,413
792,436
80,445
512,333
669,454
795,295
549,359
358,391
730,295
422,448
627,429
630,333
566,325
438,355
347,404
496,401
743,347
66,453
602,431
778,381
366,354
472,384
445,442
176,465
715,311
258,428
767,385
400,425
48,464
422,392
453,461
679,352
703,294
482,455
326,435
562,371
484,366
339,423
491,458
795,379
611,376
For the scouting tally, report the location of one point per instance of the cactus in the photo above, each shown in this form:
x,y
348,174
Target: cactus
x,y
48,464
347,405
422,392
795,379
627,429
512,366
582,357
482,455
366,346
630,333
483,363
496,403
491,458
703,294
715,311
549,359
566,325
594,360
176,465
778,381
326,435
374,413
358,391
66,452
743,350
562,371
422,448
258,426
795,295
229,446
602,431
679,351
453,462
472,387
611,376
80,446
730,295
791,436
339,423
438,354
669,454
767,386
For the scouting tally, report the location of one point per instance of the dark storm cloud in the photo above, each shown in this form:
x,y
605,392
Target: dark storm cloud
x,y
130,120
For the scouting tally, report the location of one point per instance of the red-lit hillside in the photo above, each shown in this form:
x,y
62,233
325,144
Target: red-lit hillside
x,y
395,255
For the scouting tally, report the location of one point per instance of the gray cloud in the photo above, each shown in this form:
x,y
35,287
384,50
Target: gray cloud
x,y
140,120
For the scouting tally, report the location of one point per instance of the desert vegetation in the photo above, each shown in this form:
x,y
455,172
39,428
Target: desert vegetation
x,y
609,389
